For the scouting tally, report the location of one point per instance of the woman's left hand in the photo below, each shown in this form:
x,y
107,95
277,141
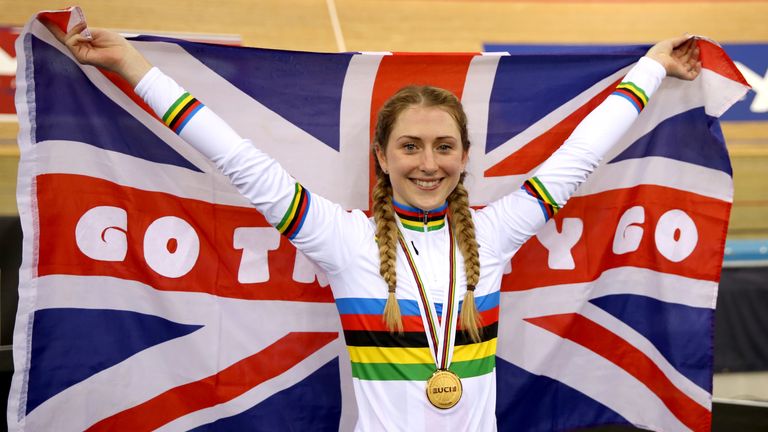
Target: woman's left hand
x,y
679,56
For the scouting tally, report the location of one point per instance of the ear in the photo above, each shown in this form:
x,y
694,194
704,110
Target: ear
x,y
382,158
464,160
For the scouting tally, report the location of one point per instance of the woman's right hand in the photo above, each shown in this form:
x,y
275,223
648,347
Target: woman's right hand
x,y
106,50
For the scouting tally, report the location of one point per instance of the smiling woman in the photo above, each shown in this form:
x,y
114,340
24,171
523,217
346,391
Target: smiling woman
x,y
431,364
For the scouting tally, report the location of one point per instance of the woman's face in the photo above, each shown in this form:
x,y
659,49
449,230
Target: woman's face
x,y
424,157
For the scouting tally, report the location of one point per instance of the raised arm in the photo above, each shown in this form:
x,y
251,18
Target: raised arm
x,y
312,223
519,215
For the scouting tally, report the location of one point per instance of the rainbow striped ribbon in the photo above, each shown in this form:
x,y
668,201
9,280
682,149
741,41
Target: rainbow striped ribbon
x,y
442,348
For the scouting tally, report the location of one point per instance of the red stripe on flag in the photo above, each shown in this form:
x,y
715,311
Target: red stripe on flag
x,y
448,71
127,88
60,18
605,343
715,59
219,388
600,215
535,152
63,199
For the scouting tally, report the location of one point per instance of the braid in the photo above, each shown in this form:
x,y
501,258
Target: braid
x,y
461,222
386,235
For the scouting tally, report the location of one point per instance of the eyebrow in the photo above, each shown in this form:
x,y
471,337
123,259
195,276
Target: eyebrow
x,y
415,138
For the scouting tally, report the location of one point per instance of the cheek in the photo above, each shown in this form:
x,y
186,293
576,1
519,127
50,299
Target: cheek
x,y
456,166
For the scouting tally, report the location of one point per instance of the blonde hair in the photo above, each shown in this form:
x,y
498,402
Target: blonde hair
x,y
458,205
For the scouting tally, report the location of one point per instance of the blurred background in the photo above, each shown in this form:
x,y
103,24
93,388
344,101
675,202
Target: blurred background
x,y
741,357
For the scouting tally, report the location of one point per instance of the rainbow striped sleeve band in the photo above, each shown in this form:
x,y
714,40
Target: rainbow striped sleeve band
x,y
633,94
294,217
536,189
179,114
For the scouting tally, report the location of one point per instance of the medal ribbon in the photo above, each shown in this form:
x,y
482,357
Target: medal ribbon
x,y
441,352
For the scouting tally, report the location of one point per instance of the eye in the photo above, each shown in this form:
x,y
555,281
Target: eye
x,y
409,147
444,147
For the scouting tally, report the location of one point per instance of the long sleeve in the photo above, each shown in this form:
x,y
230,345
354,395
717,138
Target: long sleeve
x,y
312,223
519,215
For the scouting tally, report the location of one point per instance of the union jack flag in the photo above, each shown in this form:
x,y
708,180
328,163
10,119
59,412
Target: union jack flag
x,y
153,296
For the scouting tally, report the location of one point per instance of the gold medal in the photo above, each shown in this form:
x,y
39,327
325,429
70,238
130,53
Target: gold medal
x,y
444,389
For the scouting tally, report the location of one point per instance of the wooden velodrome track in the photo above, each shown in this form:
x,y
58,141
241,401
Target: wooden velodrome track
x,y
442,25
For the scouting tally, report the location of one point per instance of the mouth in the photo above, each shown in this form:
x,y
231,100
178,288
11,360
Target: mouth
x,y
427,184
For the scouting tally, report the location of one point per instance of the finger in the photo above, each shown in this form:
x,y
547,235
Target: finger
x,y
76,30
688,51
687,46
696,54
74,36
693,71
680,40
685,52
697,67
77,40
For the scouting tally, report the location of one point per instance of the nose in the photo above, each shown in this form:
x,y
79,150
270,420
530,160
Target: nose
x,y
428,163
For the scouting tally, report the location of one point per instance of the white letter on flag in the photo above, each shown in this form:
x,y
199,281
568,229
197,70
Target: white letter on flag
x,y
101,233
255,243
628,232
559,244
676,235
171,246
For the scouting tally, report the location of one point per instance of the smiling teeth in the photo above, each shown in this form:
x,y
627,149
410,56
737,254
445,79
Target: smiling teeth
x,y
426,184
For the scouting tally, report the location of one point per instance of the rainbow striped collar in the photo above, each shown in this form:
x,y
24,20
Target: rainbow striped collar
x,y
417,219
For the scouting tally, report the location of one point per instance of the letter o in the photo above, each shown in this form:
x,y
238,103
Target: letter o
x,y
676,235
171,263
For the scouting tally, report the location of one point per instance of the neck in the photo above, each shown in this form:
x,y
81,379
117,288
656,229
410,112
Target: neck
x,y
417,219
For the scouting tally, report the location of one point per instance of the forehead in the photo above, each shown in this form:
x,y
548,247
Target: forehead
x,y
425,122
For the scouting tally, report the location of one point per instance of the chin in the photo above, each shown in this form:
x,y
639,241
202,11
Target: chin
x,y
431,204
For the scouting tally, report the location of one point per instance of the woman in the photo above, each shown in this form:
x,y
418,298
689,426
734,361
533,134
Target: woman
x,y
424,250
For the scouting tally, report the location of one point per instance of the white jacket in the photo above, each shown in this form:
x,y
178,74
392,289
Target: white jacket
x,y
389,371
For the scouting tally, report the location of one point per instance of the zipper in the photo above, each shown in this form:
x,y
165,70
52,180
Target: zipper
x,y
426,219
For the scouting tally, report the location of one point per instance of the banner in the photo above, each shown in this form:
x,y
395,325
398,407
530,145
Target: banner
x,y
152,295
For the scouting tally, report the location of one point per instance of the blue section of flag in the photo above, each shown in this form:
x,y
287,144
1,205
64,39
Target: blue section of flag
x,y
69,345
69,107
683,334
314,404
528,87
635,51
304,88
692,137
535,403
